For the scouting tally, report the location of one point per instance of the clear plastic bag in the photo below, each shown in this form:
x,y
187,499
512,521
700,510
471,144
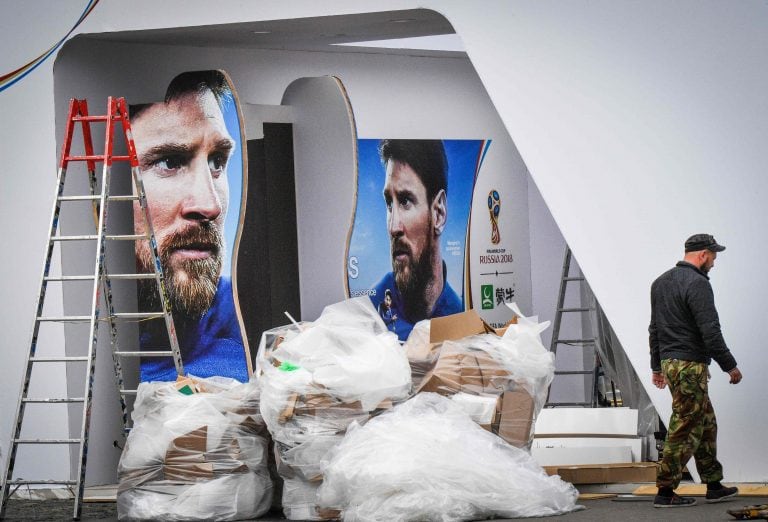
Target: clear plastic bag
x,y
422,354
427,460
200,456
316,379
500,381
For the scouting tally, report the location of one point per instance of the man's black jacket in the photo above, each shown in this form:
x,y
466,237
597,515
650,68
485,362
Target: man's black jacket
x,y
684,321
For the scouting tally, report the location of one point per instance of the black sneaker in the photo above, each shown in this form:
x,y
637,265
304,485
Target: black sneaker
x,y
721,494
673,501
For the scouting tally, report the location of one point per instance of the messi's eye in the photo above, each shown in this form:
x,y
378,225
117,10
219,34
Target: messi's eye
x,y
168,165
217,163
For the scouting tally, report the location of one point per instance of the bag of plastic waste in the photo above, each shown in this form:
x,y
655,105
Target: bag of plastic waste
x,y
500,378
198,450
427,460
316,379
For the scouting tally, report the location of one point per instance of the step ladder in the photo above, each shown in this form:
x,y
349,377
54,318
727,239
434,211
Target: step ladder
x,y
596,371
101,305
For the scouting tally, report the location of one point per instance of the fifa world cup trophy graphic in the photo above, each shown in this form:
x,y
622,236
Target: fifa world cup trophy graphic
x,y
494,206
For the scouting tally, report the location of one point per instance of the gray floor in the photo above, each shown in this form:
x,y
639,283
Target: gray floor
x,y
603,509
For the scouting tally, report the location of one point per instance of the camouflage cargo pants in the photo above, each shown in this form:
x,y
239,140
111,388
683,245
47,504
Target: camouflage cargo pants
x,y
692,430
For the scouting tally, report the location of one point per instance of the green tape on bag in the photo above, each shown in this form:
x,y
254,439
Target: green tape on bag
x,y
285,366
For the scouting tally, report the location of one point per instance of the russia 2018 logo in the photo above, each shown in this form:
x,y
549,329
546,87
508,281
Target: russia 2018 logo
x,y
494,207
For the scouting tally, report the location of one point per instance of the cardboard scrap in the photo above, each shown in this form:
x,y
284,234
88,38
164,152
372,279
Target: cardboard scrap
x,y
189,460
516,418
458,370
322,405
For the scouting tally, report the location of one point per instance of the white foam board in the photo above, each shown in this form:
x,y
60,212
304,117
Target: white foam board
x,y
587,421
635,444
576,456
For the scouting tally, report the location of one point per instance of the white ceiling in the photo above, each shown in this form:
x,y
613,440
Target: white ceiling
x,y
406,31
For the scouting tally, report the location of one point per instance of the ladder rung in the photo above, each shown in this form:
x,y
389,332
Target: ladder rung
x,y
123,198
148,275
54,401
96,157
30,482
47,441
88,237
145,354
79,198
579,278
97,197
128,392
139,315
586,309
58,359
65,318
574,372
70,278
127,237
89,118
575,341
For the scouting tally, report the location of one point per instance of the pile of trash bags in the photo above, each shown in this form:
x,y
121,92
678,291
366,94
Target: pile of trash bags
x,y
363,428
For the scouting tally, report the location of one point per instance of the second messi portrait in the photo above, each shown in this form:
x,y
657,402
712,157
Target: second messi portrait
x,y
407,248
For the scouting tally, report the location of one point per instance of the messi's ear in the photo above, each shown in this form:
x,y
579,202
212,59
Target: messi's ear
x,y
439,209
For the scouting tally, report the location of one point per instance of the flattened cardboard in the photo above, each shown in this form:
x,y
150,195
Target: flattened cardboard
x,y
289,410
322,405
188,472
185,459
516,421
609,473
194,441
465,371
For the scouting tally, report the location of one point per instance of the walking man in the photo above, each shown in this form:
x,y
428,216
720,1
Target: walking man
x,y
684,338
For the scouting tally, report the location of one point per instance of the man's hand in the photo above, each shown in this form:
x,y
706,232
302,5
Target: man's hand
x,y
658,380
735,376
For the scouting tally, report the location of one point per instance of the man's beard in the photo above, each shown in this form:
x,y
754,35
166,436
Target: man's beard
x,y
191,284
413,278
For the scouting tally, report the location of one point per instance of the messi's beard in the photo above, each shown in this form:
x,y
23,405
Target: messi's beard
x,y
413,277
190,283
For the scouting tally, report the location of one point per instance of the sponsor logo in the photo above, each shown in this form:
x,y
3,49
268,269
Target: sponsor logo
x,y
494,207
486,294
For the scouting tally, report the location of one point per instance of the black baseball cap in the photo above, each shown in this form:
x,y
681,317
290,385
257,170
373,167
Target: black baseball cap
x,y
702,242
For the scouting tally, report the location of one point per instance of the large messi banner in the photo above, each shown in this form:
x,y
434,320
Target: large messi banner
x,y
191,153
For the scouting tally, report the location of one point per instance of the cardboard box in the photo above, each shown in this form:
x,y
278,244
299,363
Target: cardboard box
x,y
457,326
464,324
422,350
620,473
